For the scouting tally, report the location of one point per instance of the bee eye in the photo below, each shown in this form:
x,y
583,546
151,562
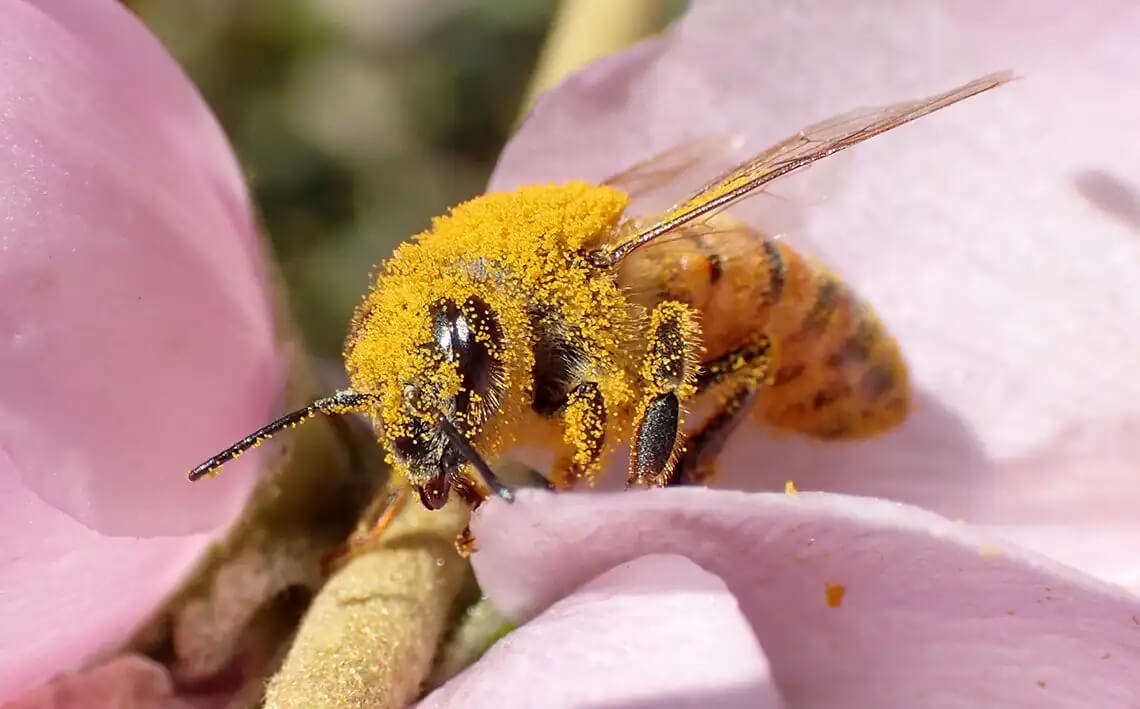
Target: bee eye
x,y
469,336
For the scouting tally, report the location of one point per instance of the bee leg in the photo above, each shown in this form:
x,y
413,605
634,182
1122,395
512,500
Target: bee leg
x,y
669,376
747,369
540,481
695,466
753,360
358,543
584,430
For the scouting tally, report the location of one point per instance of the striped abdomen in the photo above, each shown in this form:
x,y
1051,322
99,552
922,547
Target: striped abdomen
x,y
838,372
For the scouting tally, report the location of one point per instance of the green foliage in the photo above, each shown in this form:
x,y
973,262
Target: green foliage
x,y
355,120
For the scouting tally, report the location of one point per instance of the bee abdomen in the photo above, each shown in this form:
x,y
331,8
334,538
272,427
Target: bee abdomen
x,y
838,374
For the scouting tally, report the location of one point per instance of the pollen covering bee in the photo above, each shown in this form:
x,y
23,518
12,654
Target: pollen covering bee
x,y
547,308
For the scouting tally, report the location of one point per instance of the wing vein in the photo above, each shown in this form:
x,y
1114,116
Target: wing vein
x,y
809,145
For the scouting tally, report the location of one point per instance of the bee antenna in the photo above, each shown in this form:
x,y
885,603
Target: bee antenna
x,y
472,456
340,403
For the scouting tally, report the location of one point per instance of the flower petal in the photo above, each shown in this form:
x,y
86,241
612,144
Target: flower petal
x,y
69,591
657,631
123,683
138,330
139,333
856,602
997,238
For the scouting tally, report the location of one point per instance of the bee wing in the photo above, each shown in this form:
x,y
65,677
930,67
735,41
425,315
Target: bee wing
x,y
795,152
659,182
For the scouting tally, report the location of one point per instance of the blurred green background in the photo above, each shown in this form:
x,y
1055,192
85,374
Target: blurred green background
x,y
358,120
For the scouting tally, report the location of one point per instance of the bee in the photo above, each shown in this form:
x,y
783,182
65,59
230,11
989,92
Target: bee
x,y
547,313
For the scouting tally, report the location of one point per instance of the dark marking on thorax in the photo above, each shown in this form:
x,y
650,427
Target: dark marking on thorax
x,y
558,365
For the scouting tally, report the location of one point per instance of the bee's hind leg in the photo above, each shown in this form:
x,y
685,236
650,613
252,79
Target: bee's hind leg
x,y
669,376
695,466
744,371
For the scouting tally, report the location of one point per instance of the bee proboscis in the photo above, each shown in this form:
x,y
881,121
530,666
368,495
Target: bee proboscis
x,y
547,308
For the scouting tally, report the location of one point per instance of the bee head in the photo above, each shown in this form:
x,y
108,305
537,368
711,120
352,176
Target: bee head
x,y
448,398
431,377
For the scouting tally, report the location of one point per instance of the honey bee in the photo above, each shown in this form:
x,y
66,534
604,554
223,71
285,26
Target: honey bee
x,y
547,313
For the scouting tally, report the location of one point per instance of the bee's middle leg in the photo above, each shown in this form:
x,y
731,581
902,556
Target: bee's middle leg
x,y
669,376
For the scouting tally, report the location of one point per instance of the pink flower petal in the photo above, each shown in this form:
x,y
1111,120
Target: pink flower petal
x,y
68,591
657,631
138,329
931,613
123,683
998,238
138,325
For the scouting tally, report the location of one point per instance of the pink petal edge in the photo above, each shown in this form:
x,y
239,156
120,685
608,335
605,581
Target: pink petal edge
x,y
128,682
657,631
933,612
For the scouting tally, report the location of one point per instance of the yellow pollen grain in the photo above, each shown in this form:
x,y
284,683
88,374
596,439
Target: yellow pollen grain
x,y
584,428
790,488
834,593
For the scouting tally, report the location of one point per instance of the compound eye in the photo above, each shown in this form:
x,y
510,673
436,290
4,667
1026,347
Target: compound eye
x,y
468,336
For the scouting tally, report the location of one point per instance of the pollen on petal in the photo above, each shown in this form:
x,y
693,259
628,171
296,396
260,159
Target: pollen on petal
x,y
834,594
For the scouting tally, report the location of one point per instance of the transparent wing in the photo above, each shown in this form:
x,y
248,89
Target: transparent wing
x,y
800,150
659,182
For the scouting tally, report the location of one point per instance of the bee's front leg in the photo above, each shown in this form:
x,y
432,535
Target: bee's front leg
x,y
583,418
669,376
